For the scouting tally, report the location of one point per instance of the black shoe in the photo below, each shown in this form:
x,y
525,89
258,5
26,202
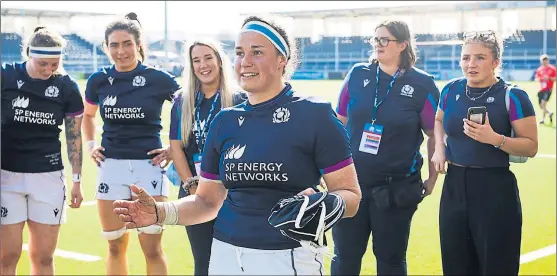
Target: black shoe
x,y
542,122
551,117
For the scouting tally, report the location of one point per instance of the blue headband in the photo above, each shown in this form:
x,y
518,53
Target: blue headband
x,y
270,33
45,52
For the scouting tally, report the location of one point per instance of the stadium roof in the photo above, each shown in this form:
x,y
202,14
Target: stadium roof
x,y
47,13
403,10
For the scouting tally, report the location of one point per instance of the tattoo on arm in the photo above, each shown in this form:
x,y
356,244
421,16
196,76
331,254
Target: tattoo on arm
x,y
74,143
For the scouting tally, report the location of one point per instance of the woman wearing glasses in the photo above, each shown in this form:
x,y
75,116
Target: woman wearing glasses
x,y
480,215
386,105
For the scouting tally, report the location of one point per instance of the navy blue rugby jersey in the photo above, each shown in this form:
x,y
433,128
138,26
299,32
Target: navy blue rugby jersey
x,y
408,109
130,104
266,152
464,150
205,105
32,112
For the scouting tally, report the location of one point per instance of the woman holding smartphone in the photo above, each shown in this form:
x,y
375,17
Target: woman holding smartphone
x,y
480,217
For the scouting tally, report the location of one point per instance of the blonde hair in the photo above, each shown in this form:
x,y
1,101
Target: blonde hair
x,y
45,37
191,84
490,40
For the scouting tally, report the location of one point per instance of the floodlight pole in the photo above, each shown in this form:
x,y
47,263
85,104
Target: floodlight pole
x,y
545,27
337,54
166,32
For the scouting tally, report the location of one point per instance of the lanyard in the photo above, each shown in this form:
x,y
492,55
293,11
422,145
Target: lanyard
x,y
375,103
199,140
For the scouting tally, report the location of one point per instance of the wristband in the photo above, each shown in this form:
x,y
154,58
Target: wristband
x,y
502,142
171,213
91,144
76,177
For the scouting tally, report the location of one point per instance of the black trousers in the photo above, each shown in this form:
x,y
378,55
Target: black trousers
x,y
389,226
200,237
480,222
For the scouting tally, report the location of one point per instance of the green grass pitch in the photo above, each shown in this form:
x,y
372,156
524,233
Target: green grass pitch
x,y
536,179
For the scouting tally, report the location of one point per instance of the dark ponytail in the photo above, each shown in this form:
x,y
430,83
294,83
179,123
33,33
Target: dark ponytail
x,y
129,25
38,28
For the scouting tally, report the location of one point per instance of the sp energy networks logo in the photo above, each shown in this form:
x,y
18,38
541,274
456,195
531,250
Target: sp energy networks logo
x,y
23,113
20,102
234,152
110,101
118,113
236,170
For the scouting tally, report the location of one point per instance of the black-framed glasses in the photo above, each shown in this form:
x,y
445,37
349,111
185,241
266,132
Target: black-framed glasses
x,y
382,41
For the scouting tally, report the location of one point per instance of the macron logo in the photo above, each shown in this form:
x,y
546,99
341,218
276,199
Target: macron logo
x,y
110,100
235,152
366,82
20,102
20,84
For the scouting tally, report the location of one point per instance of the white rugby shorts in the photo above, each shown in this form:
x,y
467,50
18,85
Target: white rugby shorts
x,y
115,177
39,197
227,259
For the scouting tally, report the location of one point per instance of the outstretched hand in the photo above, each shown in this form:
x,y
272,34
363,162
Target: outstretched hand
x,y
137,213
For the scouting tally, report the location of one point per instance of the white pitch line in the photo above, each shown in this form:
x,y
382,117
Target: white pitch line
x,y
89,203
71,255
538,254
544,155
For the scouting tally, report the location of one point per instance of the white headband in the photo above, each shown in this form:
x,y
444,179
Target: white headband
x,y
270,33
45,52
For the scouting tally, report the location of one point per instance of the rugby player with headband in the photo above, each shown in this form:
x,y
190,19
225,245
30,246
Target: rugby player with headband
x,y
265,151
37,97
129,96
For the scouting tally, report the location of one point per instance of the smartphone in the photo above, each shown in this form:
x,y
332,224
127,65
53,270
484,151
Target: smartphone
x,y
477,114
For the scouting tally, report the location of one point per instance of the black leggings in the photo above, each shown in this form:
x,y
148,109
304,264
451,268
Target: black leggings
x,y
201,240
480,222
389,228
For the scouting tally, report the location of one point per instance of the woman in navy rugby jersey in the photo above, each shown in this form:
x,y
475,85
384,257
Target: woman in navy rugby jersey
x,y
129,96
273,146
387,105
209,85
37,97
480,216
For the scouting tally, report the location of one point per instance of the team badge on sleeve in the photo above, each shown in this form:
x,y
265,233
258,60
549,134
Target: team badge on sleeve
x,y
307,218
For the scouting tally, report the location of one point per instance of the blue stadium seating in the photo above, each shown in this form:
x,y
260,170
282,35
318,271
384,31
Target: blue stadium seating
x,y
520,52
79,53
11,47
